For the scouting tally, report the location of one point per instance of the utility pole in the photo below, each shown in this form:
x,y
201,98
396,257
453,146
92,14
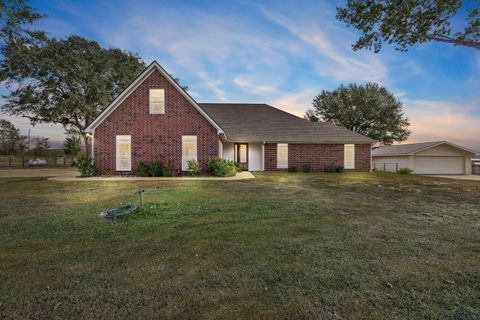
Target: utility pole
x,y
28,141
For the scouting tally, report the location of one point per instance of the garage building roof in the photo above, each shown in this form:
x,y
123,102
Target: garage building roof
x,y
411,148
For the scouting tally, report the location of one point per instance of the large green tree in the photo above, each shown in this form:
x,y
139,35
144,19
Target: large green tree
x,y
72,146
65,81
368,109
15,16
407,22
10,137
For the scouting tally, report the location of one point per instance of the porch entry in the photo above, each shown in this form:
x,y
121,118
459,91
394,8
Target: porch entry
x,y
241,155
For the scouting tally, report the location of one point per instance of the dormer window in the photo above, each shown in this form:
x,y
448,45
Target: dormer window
x,y
157,101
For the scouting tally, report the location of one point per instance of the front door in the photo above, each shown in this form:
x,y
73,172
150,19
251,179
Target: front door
x,y
241,155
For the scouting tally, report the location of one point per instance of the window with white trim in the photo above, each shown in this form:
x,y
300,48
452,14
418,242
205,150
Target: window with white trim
x,y
349,156
123,153
282,155
189,150
157,101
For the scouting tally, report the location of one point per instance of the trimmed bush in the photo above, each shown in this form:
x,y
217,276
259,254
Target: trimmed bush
x,y
167,170
143,169
292,169
237,167
307,168
222,168
86,166
156,169
153,169
333,168
405,171
194,167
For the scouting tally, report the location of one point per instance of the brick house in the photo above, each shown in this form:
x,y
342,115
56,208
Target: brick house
x,y
155,119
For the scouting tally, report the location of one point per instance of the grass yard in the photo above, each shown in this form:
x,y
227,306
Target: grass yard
x,y
292,245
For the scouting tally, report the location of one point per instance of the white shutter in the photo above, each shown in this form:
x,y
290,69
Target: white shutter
x,y
282,155
349,156
124,153
189,150
157,101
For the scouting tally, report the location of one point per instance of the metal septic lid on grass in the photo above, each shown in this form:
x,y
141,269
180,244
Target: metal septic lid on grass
x,y
113,213
117,212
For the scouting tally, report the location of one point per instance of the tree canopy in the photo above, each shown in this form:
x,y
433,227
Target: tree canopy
x,y
369,110
66,81
72,146
406,23
9,136
14,16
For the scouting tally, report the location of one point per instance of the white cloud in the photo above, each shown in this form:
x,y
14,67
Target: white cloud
x,y
245,82
214,85
333,57
295,103
444,120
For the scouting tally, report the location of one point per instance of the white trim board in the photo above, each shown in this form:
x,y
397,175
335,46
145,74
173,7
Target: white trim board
x,y
134,85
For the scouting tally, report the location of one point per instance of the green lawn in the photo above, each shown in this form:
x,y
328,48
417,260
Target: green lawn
x,y
296,246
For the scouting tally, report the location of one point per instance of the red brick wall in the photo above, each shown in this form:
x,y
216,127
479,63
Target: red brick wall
x,y
154,136
318,156
363,157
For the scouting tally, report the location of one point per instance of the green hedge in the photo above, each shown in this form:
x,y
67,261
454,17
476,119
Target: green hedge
x,y
222,168
153,169
86,166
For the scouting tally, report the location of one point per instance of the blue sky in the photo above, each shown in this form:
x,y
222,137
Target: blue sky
x,y
278,52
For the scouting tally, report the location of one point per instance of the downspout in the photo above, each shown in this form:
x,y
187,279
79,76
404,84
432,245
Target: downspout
x,y
371,158
93,144
263,156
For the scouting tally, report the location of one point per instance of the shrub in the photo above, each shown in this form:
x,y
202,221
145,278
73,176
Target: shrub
x,y
194,167
405,171
143,169
307,168
86,166
333,168
292,169
156,169
237,167
221,168
233,166
330,169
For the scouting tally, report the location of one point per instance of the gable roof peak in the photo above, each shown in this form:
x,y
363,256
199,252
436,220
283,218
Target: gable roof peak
x,y
135,84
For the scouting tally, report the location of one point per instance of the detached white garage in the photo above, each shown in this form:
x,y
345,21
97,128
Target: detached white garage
x,y
438,157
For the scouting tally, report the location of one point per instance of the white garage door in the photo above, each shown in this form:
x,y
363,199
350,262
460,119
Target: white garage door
x,y
439,165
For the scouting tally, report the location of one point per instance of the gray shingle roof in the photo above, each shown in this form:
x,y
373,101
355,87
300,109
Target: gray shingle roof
x,y
406,149
264,123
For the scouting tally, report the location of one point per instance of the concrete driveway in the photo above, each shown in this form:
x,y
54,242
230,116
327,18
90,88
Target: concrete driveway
x,y
38,172
459,177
